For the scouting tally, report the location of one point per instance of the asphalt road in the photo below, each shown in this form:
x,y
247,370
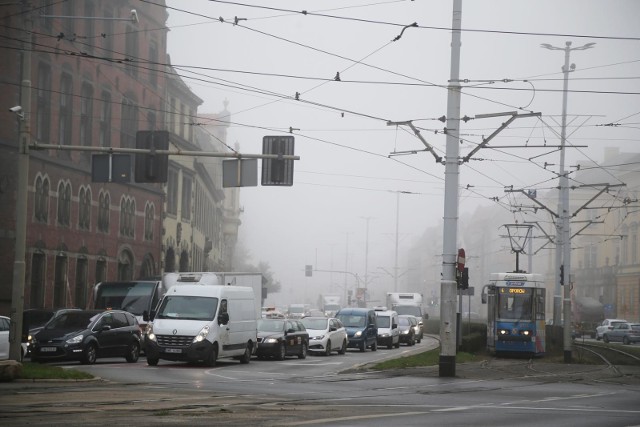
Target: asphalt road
x,y
315,392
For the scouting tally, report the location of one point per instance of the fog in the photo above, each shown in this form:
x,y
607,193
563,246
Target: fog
x,y
352,200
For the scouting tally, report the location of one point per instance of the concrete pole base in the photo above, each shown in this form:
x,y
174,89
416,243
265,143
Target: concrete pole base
x,y
447,366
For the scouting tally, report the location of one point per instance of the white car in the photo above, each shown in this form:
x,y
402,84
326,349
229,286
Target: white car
x,y
607,325
5,324
326,334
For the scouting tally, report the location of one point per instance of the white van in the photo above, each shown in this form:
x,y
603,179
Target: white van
x,y
388,332
201,323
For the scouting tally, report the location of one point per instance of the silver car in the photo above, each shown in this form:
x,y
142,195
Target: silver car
x,y
607,325
326,334
623,332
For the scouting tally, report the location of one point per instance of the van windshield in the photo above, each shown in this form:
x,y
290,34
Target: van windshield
x,y
187,308
384,321
352,321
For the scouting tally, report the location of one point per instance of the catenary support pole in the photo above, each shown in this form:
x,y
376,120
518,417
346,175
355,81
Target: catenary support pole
x,y
447,361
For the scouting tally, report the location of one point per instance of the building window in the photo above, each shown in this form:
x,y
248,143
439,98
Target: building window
x,y
90,27
101,270
127,217
65,113
84,209
104,210
149,214
64,204
41,202
125,266
81,282
86,115
172,191
108,31
38,273
186,197
45,9
624,259
153,62
129,125
131,51
104,137
43,101
69,9
60,283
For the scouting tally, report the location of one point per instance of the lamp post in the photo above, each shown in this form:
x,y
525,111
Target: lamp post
x,y
366,259
563,231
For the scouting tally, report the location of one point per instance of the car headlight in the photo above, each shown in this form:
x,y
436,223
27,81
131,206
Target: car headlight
x,y
319,337
271,340
384,335
405,332
75,340
202,335
357,334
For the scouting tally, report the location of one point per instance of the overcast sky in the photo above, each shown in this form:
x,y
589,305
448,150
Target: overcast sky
x,y
345,179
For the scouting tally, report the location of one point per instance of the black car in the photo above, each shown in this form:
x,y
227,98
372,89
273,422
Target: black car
x,y
85,335
407,326
33,320
279,338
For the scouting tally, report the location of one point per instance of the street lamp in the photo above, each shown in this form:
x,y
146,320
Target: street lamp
x,y
563,231
366,259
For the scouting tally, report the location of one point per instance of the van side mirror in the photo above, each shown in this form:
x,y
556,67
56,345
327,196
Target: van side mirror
x,y
223,318
394,326
145,316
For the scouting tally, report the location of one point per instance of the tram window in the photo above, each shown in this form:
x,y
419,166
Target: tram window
x,y
515,307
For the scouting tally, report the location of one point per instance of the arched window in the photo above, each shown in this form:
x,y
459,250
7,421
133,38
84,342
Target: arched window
x,y
64,203
84,209
149,214
104,212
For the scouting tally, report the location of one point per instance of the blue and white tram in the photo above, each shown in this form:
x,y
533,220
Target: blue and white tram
x,y
516,314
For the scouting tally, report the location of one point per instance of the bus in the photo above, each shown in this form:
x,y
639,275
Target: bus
x,y
515,314
135,296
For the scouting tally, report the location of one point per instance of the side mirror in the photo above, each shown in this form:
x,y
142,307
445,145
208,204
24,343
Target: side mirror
x,y
223,318
105,328
145,316
394,326
332,328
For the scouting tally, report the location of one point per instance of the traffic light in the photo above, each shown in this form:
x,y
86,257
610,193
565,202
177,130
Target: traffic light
x,y
152,167
464,278
308,270
277,171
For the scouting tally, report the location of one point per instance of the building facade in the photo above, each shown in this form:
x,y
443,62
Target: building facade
x,y
92,84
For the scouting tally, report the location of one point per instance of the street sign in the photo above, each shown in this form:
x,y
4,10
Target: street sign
x,y
461,260
240,173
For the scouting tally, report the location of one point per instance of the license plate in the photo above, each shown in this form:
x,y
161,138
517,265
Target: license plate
x,y
173,350
48,349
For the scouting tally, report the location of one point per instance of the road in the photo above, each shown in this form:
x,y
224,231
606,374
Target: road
x,y
330,391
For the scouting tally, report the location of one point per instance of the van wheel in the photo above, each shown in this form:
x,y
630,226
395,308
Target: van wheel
x,y
343,349
374,347
327,351
211,361
397,345
246,357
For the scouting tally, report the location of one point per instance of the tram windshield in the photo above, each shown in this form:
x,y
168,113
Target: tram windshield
x,y
515,304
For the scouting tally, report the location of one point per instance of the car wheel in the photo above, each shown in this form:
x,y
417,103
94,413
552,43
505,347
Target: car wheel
x,y
597,337
343,349
605,338
625,340
282,351
213,357
374,347
303,351
246,357
152,361
398,343
90,354
327,351
363,347
133,352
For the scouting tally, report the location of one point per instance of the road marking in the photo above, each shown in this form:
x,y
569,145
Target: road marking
x,y
355,417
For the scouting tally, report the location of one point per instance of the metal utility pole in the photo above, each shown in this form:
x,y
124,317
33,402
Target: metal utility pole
x,y
564,225
366,260
448,287
395,266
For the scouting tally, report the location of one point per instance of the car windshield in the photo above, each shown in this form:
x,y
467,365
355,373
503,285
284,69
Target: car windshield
x,y
270,325
636,328
352,321
403,321
187,307
318,324
72,320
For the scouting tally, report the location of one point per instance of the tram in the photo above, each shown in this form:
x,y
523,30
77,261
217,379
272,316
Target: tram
x,y
515,314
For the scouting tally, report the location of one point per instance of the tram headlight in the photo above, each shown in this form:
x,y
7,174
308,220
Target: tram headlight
x,y
503,331
527,333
